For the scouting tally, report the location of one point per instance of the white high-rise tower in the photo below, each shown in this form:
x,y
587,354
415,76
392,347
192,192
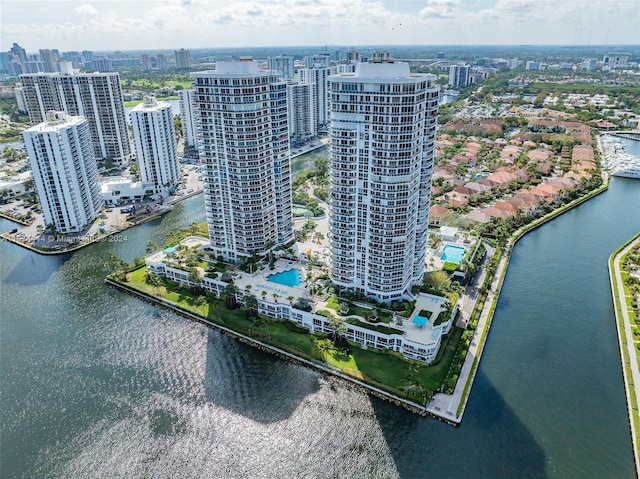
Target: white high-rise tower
x,y
187,116
246,167
317,77
64,171
155,139
95,96
383,126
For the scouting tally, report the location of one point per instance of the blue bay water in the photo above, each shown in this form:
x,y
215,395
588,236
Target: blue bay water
x,y
97,384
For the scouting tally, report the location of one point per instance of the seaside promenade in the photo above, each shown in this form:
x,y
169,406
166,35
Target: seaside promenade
x,y
628,356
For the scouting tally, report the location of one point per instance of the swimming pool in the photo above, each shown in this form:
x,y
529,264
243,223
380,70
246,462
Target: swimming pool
x,y
452,254
290,277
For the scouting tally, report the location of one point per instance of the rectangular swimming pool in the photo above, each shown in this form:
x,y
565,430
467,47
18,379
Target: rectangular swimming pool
x,y
290,277
452,254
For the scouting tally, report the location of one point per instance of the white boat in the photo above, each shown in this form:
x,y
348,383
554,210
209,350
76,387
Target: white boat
x,y
628,172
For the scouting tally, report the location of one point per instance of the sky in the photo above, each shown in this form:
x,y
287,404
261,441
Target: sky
x,y
167,24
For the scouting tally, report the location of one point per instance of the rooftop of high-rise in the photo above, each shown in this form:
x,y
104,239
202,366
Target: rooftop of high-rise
x,y
54,120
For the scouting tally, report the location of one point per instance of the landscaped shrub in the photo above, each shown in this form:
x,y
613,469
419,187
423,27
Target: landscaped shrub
x,y
449,267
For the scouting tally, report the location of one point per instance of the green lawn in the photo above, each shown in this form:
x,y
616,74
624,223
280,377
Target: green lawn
x,y
387,370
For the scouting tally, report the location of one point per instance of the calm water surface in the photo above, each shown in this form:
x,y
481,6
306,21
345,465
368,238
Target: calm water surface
x,y
97,384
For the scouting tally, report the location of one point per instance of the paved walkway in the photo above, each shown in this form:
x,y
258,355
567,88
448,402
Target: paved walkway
x,y
622,313
446,405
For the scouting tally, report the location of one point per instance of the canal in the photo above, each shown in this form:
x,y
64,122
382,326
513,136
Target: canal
x,y
98,384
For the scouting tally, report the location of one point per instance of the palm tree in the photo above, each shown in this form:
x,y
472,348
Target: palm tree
x,y
323,346
152,280
338,326
117,266
275,297
151,247
251,305
228,295
290,299
264,294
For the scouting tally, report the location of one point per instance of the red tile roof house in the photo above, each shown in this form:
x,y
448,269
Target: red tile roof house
x,y
526,206
539,194
457,200
463,190
477,187
436,213
479,216
539,154
494,212
506,206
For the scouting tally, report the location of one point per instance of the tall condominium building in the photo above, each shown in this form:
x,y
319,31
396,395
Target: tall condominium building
x,y
183,59
162,62
246,166
187,116
383,126
459,76
146,62
283,65
49,59
19,52
101,64
317,77
300,106
155,139
353,56
96,96
318,60
64,170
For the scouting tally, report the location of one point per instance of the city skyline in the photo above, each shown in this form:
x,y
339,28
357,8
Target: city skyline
x,y
100,25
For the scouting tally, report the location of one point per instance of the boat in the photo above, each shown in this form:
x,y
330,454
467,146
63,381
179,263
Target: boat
x,y
628,172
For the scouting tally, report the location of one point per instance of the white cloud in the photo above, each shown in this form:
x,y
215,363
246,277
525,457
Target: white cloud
x,y
86,10
200,23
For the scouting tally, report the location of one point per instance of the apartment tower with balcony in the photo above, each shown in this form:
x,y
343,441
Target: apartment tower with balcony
x,y
154,137
243,143
95,96
383,127
64,171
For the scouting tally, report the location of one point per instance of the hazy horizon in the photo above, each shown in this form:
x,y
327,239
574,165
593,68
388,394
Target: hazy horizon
x,y
104,25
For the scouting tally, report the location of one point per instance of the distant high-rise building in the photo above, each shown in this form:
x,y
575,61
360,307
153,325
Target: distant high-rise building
x,y
283,65
317,77
353,56
87,55
188,116
590,64
19,52
64,67
381,55
101,64
146,62
49,59
318,60
183,59
155,139
18,91
64,171
300,106
383,127
615,60
459,76
246,167
162,62
32,67
532,65
512,63
96,96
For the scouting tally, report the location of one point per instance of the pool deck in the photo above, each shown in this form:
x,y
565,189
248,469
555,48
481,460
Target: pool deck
x,y
259,281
